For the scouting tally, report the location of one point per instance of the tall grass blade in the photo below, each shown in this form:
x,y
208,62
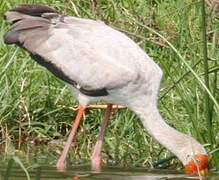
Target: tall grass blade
x,y
208,111
8,170
18,161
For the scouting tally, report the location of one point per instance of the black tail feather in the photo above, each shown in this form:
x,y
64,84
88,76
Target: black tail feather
x,y
28,25
33,9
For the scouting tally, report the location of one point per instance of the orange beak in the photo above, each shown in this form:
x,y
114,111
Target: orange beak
x,y
198,165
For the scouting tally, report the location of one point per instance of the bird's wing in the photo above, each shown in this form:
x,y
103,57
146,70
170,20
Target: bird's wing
x,y
85,53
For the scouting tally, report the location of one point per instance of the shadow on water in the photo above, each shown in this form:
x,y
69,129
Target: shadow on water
x,y
84,173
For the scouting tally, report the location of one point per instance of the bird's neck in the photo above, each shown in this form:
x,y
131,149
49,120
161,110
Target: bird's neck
x,y
178,143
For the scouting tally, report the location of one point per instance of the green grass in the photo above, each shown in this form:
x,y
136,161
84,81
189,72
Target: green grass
x,y
31,98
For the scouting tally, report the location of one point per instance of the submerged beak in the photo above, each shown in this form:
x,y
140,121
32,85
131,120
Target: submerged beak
x,y
197,166
204,172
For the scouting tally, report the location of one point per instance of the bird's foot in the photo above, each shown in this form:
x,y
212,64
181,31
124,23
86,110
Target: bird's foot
x,y
96,163
61,165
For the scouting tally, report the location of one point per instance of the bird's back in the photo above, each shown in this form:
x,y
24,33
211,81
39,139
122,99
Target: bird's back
x,y
83,52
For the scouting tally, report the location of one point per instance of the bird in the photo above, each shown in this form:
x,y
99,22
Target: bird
x,y
99,63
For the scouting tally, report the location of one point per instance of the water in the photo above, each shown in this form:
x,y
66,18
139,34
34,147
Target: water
x,y
39,162
84,173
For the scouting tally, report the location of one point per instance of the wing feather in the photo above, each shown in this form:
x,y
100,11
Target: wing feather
x,y
86,52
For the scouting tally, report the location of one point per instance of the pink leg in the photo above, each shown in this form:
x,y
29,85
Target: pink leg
x,y
96,155
61,163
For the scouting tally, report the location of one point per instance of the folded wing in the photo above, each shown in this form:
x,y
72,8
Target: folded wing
x,y
87,54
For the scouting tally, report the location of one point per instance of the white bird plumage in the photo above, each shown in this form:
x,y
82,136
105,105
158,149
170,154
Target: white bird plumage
x,y
96,56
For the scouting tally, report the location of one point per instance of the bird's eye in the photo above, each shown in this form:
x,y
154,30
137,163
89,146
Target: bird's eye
x,y
197,160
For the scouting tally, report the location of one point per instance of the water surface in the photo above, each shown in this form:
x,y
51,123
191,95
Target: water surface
x,y
84,173
38,161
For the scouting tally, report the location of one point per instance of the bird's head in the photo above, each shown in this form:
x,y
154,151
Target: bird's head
x,y
198,165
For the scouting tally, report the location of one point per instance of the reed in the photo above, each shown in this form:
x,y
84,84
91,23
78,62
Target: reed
x,y
208,109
